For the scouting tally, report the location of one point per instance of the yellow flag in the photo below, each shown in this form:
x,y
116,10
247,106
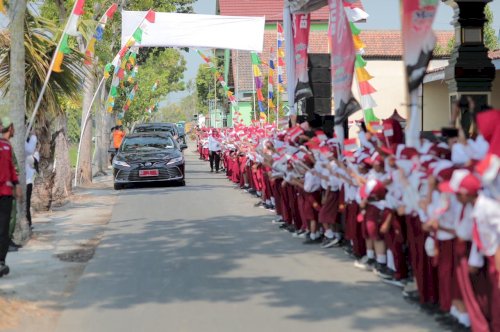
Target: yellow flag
x,y
358,43
2,7
270,103
281,53
110,109
130,42
58,62
256,71
362,75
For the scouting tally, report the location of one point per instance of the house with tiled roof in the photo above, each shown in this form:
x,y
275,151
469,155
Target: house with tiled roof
x,y
383,52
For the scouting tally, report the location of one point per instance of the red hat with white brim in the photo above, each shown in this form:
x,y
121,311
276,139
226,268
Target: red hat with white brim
x,y
462,182
373,188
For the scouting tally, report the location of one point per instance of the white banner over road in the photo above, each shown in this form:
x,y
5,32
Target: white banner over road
x,y
194,30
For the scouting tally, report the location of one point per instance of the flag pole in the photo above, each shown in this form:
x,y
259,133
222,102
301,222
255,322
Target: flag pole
x,y
49,73
84,125
278,78
253,94
87,116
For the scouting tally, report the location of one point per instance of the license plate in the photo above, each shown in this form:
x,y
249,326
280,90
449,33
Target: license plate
x,y
148,172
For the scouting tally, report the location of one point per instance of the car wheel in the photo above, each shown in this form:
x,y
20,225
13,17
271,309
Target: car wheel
x,y
117,186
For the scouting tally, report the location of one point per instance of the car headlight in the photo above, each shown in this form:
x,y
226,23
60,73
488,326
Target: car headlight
x,y
120,163
175,160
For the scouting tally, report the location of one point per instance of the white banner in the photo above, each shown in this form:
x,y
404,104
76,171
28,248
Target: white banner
x,y
194,30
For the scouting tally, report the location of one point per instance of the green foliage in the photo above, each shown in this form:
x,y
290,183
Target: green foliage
x,y
183,110
490,35
205,83
167,67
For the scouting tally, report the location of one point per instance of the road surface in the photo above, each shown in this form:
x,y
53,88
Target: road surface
x,y
202,258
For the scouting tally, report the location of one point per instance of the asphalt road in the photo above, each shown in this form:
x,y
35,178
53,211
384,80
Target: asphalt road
x,y
202,258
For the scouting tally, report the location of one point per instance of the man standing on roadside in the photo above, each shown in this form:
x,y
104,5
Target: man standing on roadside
x,y
9,188
214,147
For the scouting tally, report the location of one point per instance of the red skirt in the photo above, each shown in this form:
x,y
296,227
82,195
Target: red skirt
x,y
330,208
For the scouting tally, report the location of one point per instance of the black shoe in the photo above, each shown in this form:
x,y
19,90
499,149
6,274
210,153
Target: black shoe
x,y
217,171
284,226
311,241
330,243
383,271
4,270
211,171
291,228
13,249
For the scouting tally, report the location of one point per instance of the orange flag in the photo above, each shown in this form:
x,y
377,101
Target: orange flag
x,y
58,62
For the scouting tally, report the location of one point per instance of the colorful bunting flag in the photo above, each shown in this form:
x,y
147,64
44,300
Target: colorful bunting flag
x,y
99,33
2,7
72,29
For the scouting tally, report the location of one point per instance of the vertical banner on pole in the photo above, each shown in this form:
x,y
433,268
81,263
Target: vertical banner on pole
x,y
301,24
418,41
342,66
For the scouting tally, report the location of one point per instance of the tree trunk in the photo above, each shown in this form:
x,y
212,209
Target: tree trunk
x,y
84,169
44,182
18,105
103,120
62,176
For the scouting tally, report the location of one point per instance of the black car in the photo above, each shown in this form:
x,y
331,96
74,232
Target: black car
x,y
161,127
148,157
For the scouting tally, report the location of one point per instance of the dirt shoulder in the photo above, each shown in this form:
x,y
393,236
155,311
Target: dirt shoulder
x,y
45,272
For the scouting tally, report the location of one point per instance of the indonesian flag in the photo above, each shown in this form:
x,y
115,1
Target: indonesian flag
x,y
74,17
295,132
350,144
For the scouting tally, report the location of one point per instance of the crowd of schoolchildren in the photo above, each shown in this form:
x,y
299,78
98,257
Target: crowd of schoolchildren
x,y
423,218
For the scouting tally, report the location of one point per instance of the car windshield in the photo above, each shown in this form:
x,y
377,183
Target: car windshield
x,y
147,129
147,143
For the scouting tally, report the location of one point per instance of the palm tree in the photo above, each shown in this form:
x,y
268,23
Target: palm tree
x,y
39,45
17,98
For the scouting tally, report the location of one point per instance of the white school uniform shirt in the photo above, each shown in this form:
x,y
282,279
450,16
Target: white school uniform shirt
x,y
30,155
486,215
478,148
213,144
335,183
312,183
446,210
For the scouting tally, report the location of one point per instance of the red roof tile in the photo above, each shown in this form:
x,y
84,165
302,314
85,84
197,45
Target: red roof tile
x,y
271,9
379,45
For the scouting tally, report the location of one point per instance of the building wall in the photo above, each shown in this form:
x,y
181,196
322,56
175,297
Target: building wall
x,y
245,108
436,107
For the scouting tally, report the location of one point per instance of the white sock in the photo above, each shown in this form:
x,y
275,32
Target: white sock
x,y
382,259
273,201
390,260
259,193
463,318
352,243
312,236
370,254
337,235
329,234
268,201
454,311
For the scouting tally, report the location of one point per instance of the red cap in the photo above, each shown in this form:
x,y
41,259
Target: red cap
x,y
407,153
462,181
487,123
373,189
488,168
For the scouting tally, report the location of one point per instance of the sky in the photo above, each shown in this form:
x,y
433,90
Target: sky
x,y
384,15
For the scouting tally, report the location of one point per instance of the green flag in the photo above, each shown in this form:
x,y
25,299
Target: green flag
x,y
138,35
64,45
255,58
369,116
114,91
354,29
360,62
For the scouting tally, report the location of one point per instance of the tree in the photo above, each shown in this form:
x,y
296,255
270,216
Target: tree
x,y
490,35
205,83
39,46
18,101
